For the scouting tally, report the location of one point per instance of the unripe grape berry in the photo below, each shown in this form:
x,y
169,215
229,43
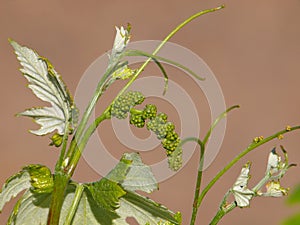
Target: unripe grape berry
x,y
137,120
157,125
172,136
163,116
169,145
149,111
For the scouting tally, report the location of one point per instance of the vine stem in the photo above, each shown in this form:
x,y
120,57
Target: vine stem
x,y
251,147
202,145
169,36
76,200
222,212
82,136
94,125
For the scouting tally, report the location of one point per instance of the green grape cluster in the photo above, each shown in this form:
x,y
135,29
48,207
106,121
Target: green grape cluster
x,y
164,131
138,117
149,111
155,122
125,102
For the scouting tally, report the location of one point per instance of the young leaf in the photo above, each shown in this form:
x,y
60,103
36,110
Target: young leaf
x,y
13,186
47,85
121,40
240,191
33,209
41,178
119,173
106,193
139,176
144,210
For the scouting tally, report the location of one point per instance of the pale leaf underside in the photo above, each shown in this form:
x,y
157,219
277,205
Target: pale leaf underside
x,y
47,85
13,186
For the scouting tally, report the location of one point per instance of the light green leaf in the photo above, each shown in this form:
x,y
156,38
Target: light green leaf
x,y
47,85
106,193
13,186
121,40
33,209
241,193
120,69
41,178
118,174
139,176
144,210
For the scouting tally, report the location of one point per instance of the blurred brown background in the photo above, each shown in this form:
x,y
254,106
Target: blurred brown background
x,y
252,47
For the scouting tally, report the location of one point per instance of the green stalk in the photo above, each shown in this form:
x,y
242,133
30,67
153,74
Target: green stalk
x,y
173,32
63,148
159,58
251,147
87,114
201,162
198,182
76,200
60,185
222,212
91,129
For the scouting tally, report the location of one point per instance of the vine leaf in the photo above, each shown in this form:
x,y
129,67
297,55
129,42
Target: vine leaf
x,y
48,86
144,210
139,176
13,186
105,202
119,67
106,193
33,209
240,191
41,178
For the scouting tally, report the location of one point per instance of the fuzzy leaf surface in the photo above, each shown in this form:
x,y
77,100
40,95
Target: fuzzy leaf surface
x,y
144,210
139,176
13,186
106,193
33,209
48,86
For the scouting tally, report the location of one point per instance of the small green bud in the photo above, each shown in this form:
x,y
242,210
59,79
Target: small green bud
x,y
56,140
